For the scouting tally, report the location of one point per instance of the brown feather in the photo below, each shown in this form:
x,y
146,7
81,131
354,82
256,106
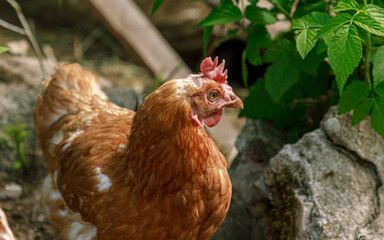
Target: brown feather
x,y
149,175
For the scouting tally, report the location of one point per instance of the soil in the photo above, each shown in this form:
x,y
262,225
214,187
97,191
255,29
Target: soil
x,y
67,31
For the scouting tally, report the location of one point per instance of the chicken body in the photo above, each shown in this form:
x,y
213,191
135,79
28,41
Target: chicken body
x,y
116,174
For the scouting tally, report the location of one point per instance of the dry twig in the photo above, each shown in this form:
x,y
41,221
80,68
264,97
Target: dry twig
x,y
29,34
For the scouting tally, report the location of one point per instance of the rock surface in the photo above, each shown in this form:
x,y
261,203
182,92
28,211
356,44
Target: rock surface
x,y
330,183
258,142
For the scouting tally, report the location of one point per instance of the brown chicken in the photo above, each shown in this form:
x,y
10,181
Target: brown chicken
x,y
5,230
116,174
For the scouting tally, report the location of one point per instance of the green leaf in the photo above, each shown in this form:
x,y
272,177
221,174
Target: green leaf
x,y
156,5
378,66
4,49
377,118
282,48
344,53
286,4
258,104
376,12
308,26
314,86
311,20
206,36
305,41
345,5
368,23
353,95
362,110
260,16
379,89
253,2
244,68
257,38
334,24
280,77
303,8
225,12
311,63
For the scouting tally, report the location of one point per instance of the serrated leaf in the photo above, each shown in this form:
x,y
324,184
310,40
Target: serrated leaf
x,y
280,77
353,95
345,5
368,23
225,12
377,117
376,12
156,5
4,49
257,38
378,66
334,24
305,41
362,110
311,20
379,89
344,53
206,36
259,16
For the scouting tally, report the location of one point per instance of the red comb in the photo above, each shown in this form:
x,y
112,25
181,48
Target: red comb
x,y
212,71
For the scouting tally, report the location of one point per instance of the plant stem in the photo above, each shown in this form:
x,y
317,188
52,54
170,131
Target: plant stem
x,y
367,52
29,34
12,27
285,12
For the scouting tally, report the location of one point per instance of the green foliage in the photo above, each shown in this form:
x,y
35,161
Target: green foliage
x,y
323,54
156,5
14,137
225,12
4,49
295,68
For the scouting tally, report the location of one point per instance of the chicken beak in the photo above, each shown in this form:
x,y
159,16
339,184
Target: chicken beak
x,y
235,101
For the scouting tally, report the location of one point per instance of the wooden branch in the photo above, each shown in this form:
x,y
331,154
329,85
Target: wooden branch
x,y
29,34
12,27
138,35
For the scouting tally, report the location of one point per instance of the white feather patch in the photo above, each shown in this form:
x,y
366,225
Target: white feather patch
x,y
104,181
71,138
80,231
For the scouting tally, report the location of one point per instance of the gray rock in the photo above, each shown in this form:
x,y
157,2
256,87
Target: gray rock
x,y
257,143
329,184
11,191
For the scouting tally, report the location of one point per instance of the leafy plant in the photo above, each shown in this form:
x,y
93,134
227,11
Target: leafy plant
x,y
4,49
326,42
15,136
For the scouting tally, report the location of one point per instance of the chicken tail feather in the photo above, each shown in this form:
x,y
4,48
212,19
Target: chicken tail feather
x,y
70,90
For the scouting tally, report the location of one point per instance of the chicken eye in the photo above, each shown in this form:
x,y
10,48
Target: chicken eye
x,y
213,96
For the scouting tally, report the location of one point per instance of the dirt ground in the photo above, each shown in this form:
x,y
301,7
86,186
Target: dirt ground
x,y
69,33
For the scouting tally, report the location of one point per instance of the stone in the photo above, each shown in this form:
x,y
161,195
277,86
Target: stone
x,y
328,185
257,143
11,191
